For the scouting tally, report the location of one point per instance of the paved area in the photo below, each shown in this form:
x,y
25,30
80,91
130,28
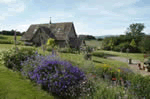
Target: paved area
x,y
132,66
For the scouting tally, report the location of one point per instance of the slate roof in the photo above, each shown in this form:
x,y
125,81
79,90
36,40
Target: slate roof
x,y
59,30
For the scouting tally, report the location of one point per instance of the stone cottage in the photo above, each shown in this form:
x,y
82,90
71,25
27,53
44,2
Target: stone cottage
x,y
63,33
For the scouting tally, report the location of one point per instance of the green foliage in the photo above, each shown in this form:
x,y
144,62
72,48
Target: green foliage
x,y
133,44
87,56
4,32
65,50
134,35
6,42
100,39
98,54
135,29
49,48
69,50
89,49
144,45
140,85
87,37
12,58
111,43
51,42
122,47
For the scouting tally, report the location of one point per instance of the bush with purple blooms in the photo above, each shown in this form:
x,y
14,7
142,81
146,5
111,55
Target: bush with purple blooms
x,y
55,76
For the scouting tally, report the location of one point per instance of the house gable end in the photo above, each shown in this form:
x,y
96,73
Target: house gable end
x,y
72,32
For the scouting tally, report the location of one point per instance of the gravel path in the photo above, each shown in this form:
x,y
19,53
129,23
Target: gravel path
x,y
132,66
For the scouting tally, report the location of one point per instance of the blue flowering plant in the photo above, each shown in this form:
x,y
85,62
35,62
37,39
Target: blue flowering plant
x,y
54,75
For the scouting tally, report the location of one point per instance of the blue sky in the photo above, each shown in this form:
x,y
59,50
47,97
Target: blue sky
x,y
92,17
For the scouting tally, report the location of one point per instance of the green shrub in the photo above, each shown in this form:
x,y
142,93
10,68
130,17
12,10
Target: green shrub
x,y
101,54
6,42
98,54
140,85
89,49
68,50
12,58
117,48
88,56
49,49
64,50
122,46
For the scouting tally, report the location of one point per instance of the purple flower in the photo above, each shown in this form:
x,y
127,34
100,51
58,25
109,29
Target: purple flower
x,y
53,73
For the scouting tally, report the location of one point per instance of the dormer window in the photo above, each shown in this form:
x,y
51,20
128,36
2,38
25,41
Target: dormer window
x,y
34,31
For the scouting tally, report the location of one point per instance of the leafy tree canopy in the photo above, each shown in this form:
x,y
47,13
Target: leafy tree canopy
x,y
135,29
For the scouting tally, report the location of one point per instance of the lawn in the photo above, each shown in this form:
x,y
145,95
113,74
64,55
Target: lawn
x,y
136,56
13,86
6,37
93,43
79,60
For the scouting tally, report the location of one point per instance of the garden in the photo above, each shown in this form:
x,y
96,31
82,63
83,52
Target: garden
x,y
71,75
66,73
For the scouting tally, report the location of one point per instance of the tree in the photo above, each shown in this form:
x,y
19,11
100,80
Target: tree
x,y
133,44
111,43
51,43
135,29
144,45
99,39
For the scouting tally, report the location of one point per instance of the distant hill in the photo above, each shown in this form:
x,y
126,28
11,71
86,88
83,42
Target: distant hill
x,y
105,36
86,37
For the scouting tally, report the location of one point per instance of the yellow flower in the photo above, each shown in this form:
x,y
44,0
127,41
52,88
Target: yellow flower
x,y
105,65
119,70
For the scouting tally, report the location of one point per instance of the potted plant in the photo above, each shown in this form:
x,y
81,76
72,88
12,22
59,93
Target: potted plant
x,y
148,68
130,61
139,65
114,76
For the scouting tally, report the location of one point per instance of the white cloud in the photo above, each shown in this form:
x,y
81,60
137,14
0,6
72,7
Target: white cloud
x,y
114,31
18,27
2,18
120,3
100,32
7,1
19,7
22,28
11,8
82,28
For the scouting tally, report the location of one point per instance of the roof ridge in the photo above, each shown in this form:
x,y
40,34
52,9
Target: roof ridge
x,y
51,23
62,22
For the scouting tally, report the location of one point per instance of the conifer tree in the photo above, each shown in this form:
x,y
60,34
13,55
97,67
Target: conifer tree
x,y
133,44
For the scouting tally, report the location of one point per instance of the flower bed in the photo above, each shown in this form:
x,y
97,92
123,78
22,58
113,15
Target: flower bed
x,y
62,79
55,76
135,83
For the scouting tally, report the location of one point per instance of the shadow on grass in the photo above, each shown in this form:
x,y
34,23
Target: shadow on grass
x,y
1,37
97,61
110,55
